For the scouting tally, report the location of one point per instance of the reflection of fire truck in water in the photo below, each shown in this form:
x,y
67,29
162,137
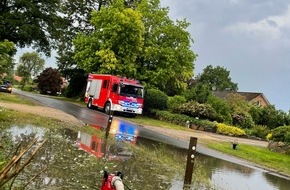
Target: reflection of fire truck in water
x,y
96,145
114,93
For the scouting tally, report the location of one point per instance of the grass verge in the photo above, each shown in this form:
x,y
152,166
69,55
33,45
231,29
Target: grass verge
x,y
14,98
258,155
142,120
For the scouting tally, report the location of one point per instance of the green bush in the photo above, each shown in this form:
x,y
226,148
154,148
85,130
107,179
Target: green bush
x,y
206,125
222,108
281,134
259,131
29,88
175,102
230,130
243,120
178,119
181,119
200,111
155,99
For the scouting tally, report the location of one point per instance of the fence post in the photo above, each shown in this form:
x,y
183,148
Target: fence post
x,y
190,162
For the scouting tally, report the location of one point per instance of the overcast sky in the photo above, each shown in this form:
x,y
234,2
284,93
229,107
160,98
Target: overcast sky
x,y
250,38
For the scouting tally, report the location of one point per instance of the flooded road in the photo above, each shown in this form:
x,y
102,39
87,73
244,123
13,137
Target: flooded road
x,y
75,159
213,169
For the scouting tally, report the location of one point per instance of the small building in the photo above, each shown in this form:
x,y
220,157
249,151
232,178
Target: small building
x,y
255,98
17,78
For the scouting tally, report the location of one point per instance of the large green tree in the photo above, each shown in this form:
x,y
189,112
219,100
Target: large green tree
x,y
166,61
78,14
114,44
218,78
30,64
140,42
32,23
7,50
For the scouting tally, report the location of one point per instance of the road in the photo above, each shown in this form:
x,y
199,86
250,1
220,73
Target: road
x,y
93,117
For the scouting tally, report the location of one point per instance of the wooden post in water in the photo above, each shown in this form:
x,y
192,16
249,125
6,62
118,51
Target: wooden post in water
x,y
108,128
190,162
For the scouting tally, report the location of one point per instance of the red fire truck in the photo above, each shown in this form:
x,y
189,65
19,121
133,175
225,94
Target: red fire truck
x,y
113,93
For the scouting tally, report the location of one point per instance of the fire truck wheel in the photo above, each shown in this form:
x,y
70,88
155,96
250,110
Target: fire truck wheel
x,y
107,108
89,105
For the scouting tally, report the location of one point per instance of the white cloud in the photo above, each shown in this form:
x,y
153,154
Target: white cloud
x,y
270,28
234,1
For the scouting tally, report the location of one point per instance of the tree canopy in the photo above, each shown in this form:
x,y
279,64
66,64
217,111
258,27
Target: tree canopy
x,y
114,44
141,43
30,64
218,78
77,15
49,81
166,61
7,50
31,23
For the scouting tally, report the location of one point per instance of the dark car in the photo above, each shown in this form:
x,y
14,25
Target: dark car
x,y
6,86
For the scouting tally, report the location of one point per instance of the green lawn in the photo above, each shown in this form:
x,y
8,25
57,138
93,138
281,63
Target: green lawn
x,y
14,98
142,120
258,155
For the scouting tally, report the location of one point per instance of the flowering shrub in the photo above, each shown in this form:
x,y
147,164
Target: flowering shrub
x,y
230,130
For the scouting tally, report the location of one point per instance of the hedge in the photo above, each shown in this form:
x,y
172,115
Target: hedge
x,y
183,120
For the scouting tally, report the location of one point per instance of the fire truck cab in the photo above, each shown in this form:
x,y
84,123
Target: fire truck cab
x,y
114,93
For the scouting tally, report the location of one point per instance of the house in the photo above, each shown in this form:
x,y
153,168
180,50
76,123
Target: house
x,y
15,77
255,98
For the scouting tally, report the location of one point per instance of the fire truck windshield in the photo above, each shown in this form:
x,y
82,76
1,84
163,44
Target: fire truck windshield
x,y
130,90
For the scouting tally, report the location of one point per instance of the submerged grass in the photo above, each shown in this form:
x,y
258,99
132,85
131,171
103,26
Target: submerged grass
x,y
258,155
161,159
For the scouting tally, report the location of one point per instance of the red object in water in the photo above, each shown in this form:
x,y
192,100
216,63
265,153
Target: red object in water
x,y
112,181
106,184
